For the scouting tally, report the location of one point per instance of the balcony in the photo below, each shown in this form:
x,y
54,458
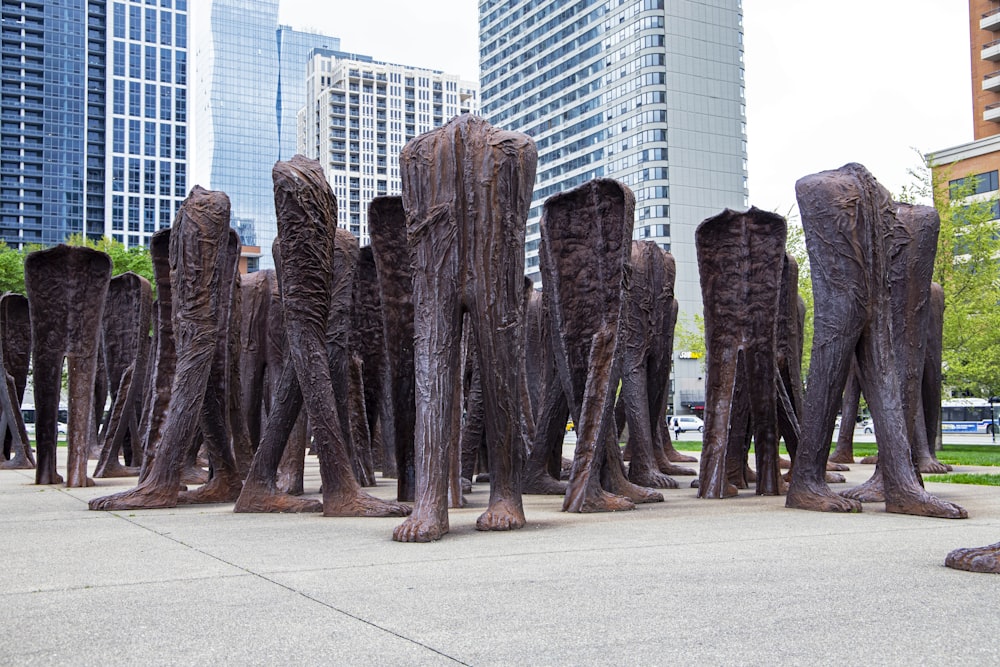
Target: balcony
x,y
990,20
991,51
992,112
991,81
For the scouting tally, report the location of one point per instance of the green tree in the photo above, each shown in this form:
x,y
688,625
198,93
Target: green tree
x,y
967,267
11,269
795,245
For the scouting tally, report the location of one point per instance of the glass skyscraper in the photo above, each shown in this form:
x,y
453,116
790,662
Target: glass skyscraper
x,y
250,83
359,113
94,118
649,92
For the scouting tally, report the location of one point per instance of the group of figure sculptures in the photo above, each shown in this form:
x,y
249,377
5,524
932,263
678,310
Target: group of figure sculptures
x,y
427,354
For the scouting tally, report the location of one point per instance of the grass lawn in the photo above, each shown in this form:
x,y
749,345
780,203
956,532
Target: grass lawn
x,y
965,478
962,455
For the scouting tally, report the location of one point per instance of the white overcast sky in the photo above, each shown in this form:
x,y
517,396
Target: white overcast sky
x,y
827,82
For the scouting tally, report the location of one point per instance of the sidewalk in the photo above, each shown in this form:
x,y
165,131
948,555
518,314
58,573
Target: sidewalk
x,y
743,581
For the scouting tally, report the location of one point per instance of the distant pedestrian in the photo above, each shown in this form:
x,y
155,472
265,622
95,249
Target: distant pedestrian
x,y
677,429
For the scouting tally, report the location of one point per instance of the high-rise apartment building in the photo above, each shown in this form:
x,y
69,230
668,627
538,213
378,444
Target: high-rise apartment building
x,y
93,118
249,85
147,134
359,113
980,157
648,92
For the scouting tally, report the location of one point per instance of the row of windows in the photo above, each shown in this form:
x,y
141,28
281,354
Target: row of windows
x,y
163,27
146,181
565,17
150,207
142,101
554,72
570,46
970,185
163,63
142,138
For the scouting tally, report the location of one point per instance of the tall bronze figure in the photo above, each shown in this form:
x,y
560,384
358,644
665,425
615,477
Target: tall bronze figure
x,y
15,354
861,271
466,191
66,289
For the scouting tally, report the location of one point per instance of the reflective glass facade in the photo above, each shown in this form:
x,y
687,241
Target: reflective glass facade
x,y
250,77
358,115
649,92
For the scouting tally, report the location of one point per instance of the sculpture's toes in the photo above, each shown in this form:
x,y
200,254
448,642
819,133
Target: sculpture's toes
x,y
114,470
651,479
871,491
501,515
466,484
17,463
677,457
219,489
419,529
976,559
836,467
677,470
870,460
605,502
80,482
135,499
933,467
46,477
921,503
362,504
819,500
835,478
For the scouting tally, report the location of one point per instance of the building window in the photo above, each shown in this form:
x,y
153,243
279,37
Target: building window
x,y
165,182
149,180
164,140
983,183
166,103
149,216
133,176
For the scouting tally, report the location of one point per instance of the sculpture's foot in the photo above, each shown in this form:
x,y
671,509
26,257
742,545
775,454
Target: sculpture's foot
x,y
141,497
47,477
543,484
680,471
260,501
360,504
421,528
17,463
602,501
933,466
114,470
79,482
483,478
975,559
675,456
871,491
194,476
501,515
653,479
637,494
466,484
841,456
219,489
870,460
820,499
784,464
565,469
921,503
833,466
835,478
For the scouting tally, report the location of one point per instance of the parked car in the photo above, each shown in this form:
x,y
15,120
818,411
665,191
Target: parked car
x,y
868,427
684,423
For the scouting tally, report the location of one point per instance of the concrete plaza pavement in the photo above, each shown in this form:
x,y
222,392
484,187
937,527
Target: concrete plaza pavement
x,y
742,581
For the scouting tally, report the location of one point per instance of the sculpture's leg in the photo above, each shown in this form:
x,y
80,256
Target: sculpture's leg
x,y
260,490
108,465
306,236
437,356
292,466
198,255
360,435
844,451
931,386
47,377
471,437
387,224
976,559
19,451
642,469
550,429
